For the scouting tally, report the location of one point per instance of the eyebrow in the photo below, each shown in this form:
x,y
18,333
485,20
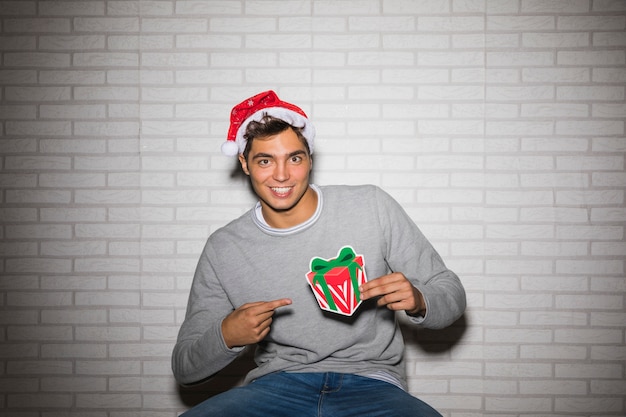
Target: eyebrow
x,y
289,155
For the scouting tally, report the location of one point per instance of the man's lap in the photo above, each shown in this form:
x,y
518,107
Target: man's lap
x,y
313,395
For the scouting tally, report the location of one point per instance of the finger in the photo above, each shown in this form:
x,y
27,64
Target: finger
x,y
380,285
402,299
264,326
370,285
273,305
261,307
265,310
247,306
370,289
388,299
396,306
383,287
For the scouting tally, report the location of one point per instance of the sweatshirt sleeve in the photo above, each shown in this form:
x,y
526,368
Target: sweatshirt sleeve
x,y
200,350
409,252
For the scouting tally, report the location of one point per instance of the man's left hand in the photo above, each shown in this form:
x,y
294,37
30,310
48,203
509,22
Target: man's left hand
x,y
396,293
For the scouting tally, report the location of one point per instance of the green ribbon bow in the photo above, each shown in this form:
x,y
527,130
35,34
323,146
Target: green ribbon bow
x,y
345,258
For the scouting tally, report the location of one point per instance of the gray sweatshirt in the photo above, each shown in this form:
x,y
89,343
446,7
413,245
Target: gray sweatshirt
x,y
248,261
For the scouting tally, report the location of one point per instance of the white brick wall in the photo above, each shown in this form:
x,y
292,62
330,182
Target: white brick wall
x,y
498,124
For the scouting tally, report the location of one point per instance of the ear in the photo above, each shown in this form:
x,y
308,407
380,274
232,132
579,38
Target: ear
x,y
244,164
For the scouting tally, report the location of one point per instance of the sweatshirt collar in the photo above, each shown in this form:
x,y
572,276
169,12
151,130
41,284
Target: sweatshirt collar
x,y
259,221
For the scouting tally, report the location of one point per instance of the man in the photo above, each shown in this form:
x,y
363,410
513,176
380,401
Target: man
x,y
250,286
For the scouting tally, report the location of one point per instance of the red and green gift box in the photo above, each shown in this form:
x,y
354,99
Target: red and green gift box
x,y
335,282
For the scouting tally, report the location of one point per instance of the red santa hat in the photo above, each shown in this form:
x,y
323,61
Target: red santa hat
x,y
254,108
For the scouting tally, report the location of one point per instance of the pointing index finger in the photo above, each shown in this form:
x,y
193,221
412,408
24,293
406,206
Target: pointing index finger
x,y
273,305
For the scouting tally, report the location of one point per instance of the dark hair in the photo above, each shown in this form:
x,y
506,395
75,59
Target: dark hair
x,y
270,126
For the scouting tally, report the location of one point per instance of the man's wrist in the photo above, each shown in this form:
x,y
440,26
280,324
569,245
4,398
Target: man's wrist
x,y
420,310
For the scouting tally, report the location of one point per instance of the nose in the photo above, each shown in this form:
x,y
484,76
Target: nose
x,y
281,172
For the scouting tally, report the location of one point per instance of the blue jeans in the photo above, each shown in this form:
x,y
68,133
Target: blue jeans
x,y
330,394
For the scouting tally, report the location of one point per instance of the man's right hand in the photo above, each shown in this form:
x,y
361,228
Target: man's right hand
x,y
250,323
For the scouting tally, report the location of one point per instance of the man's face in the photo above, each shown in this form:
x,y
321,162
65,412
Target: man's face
x,y
279,168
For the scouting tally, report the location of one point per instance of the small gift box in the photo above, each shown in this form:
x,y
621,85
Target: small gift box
x,y
335,282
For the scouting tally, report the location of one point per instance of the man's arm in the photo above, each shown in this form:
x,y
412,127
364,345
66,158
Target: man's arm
x,y
200,349
432,295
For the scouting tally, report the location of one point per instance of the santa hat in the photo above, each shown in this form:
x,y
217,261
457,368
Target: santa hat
x,y
253,109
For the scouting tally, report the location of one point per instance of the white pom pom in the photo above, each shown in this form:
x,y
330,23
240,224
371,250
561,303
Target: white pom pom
x,y
230,148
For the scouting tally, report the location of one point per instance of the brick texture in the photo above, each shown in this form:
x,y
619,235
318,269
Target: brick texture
x,y
498,124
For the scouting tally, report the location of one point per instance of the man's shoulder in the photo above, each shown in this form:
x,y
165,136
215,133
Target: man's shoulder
x,y
364,192
349,189
236,227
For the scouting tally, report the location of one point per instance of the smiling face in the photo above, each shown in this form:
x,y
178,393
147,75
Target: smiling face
x,y
279,167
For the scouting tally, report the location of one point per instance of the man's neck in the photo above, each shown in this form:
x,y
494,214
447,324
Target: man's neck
x,y
300,213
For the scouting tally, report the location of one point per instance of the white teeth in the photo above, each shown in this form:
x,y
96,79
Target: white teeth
x,y
281,190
